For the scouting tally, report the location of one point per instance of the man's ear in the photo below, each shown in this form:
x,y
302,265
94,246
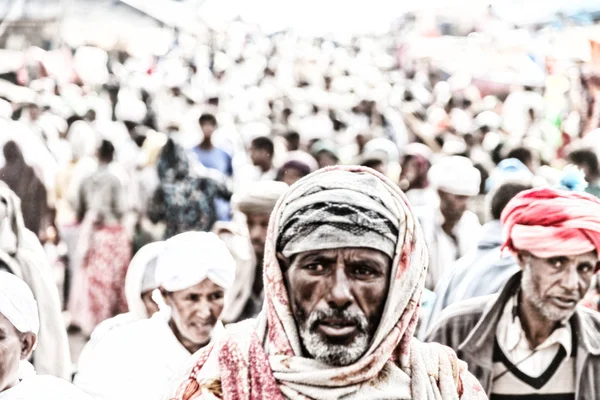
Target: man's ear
x,y
28,341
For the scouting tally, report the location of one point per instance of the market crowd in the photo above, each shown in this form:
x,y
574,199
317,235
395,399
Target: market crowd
x,y
275,217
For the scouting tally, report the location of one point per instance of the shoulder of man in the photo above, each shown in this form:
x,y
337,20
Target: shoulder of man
x,y
589,320
458,320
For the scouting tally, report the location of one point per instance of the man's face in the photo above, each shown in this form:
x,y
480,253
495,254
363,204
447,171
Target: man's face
x,y
555,285
195,312
326,159
452,206
259,156
291,176
257,227
151,306
337,300
208,129
14,347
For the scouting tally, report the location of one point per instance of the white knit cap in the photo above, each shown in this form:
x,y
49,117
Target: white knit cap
x,y
191,257
17,304
455,175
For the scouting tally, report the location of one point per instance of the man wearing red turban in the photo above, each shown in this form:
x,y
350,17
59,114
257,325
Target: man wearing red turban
x,y
535,338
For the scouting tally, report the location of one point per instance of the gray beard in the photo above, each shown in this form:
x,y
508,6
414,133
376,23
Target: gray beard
x,y
335,354
549,311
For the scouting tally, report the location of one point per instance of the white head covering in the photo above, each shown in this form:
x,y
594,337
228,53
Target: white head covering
x,y
455,175
137,280
260,198
17,304
191,257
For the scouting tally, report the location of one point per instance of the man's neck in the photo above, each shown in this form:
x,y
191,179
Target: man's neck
x,y
265,167
189,346
257,286
448,226
537,328
206,145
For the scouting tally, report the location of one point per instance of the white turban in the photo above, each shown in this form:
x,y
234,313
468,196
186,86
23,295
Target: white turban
x,y
17,304
260,198
455,175
191,257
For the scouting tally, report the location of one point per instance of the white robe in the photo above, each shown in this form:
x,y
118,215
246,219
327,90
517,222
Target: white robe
x,y
443,250
43,387
134,361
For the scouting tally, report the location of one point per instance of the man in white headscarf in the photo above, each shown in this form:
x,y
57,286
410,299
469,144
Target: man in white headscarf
x,y
245,299
22,255
137,360
19,327
450,230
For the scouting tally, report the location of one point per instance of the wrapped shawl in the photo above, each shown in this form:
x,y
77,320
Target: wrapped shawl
x,y
268,362
24,256
552,222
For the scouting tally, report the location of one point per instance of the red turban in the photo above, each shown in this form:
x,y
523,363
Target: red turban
x,y
549,223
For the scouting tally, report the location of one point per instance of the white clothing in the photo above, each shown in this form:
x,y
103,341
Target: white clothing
x,y
513,342
134,361
17,304
444,250
43,387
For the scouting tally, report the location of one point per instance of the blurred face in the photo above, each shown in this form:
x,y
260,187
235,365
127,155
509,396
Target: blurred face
x,y
151,306
259,156
291,176
337,300
452,206
195,312
14,347
257,227
326,159
208,129
554,286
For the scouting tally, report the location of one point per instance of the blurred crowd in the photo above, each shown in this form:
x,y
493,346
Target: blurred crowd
x,y
106,151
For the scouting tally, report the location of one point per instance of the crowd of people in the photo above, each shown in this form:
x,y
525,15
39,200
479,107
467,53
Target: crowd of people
x,y
277,217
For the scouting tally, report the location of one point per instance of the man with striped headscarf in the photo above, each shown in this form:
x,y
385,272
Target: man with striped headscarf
x,y
534,339
345,265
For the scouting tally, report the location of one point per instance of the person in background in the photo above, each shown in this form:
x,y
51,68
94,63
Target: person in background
x,y
216,158
184,200
534,339
104,246
325,153
526,156
345,264
292,171
587,160
137,360
292,139
486,269
19,326
256,204
413,175
23,180
449,231
261,154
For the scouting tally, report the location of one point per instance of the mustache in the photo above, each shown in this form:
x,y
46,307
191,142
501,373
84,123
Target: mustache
x,y
357,318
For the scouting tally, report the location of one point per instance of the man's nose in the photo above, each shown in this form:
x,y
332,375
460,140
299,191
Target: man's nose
x,y
570,279
340,295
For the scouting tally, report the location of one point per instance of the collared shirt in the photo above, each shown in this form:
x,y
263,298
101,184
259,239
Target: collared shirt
x,y
513,342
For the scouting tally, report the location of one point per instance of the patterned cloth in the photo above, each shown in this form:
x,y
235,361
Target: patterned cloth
x,y
186,202
551,222
268,363
101,280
